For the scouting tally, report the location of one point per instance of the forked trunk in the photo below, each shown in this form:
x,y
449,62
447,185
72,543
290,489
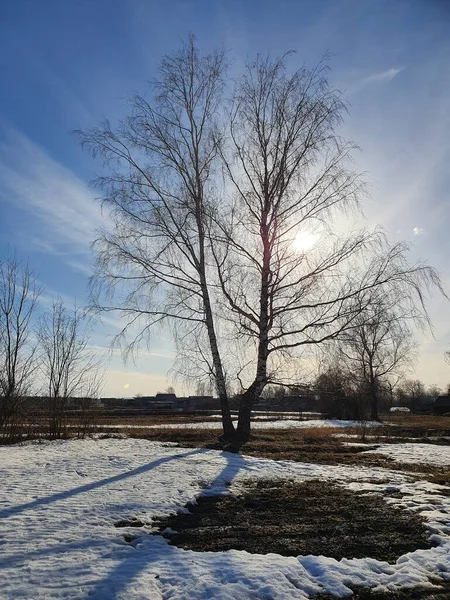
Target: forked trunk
x,y
227,423
244,419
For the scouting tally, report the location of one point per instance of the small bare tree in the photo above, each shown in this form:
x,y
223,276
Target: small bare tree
x,y
412,392
69,368
335,393
19,293
378,348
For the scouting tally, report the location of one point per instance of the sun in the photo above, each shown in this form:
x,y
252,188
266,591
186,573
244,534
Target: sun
x,y
304,240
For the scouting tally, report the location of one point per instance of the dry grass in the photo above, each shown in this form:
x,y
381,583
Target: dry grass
x,y
419,423
120,421
292,518
284,443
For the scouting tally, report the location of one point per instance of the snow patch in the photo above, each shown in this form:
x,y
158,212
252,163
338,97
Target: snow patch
x,y
58,538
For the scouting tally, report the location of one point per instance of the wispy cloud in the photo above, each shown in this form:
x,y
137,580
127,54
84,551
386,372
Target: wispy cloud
x,y
81,267
381,77
355,81
65,211
418,230
142,354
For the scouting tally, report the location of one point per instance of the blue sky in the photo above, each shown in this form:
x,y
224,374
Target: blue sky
x,y
67,65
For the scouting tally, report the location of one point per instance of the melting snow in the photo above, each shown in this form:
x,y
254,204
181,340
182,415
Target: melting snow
x,y
258,424
59,502
429,454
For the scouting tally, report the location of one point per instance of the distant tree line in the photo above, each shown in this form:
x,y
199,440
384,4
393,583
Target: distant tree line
x,y
337,394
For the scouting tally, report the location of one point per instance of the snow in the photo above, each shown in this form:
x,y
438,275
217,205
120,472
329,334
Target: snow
x,y
280,424
428,454
59,502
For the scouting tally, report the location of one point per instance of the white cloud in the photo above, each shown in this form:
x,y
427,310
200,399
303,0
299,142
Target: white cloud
x,y
382,76
84,268
65,210
418,230
354,80
142,354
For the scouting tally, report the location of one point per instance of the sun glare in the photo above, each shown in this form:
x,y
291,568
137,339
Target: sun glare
x,y
305,241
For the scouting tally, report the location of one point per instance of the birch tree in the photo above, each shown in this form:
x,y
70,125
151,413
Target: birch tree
x,y
212,191
160,193
292,176
378,349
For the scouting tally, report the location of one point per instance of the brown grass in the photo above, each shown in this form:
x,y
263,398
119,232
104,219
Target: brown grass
x,y
292,519
124,420
420,423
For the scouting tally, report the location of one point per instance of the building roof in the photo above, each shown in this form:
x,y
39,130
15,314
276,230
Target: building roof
x,y
166,397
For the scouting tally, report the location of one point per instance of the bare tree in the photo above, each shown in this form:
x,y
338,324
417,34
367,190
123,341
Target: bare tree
x,y
412,392
433,391
378,348
290,172
68,367
228,271
19,293
335,393
161,193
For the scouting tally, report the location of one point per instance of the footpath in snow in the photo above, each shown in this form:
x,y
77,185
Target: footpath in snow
x,y
59,502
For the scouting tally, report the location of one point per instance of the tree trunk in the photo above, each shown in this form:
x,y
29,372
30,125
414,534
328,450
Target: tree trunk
x,y
227,423
245,411
248,399
374,402
253,392
219,376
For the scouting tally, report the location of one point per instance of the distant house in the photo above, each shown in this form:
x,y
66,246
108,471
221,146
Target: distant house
x,y
441,405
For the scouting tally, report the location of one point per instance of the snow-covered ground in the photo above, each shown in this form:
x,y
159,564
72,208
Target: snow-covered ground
x,y
281,424
59,502
429,454
275,416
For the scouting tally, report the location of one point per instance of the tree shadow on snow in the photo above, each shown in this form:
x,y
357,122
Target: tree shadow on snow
x,y
152,548
14,510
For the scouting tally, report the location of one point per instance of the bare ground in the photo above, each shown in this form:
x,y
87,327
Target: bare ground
x,y
292,519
